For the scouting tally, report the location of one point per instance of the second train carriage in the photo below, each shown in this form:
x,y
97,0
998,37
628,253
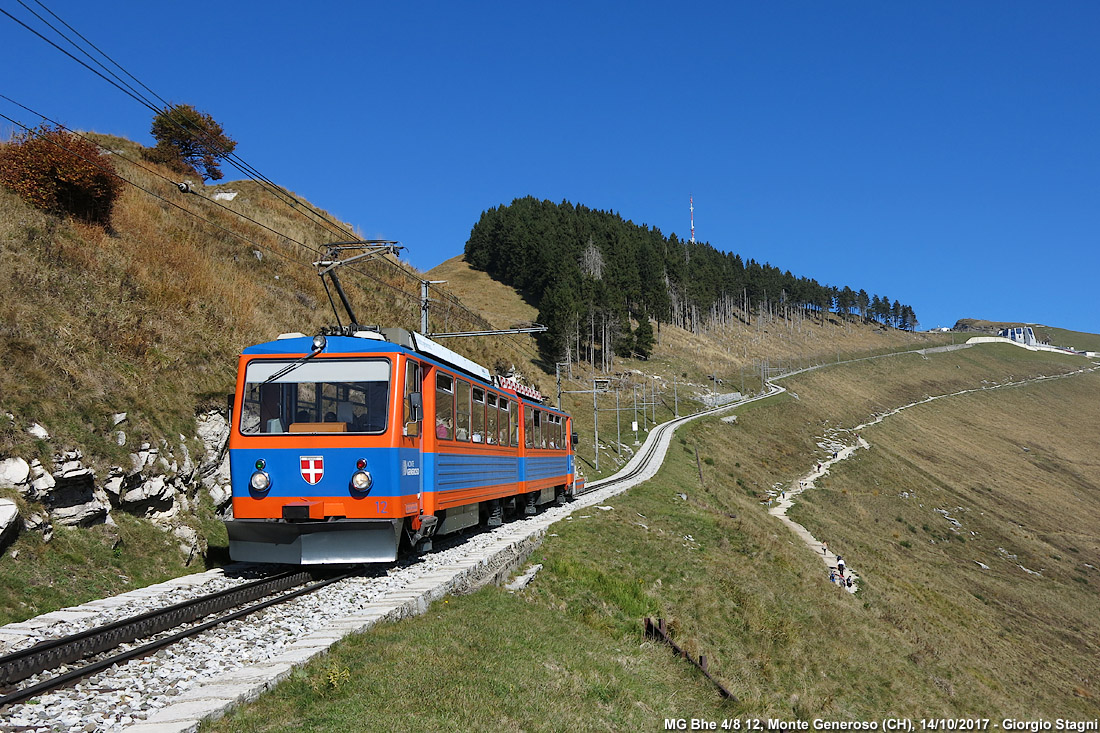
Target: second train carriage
x,y
342,447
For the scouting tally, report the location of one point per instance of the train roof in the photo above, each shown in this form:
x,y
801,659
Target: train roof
x,y
387,340
365,342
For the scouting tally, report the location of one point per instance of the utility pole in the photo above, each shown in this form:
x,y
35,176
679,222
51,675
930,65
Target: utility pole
x,y
596,420
635,414
676,397
424,301
557,373
618,432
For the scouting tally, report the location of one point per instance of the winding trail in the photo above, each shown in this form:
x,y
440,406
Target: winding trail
x,y
806,482
779,510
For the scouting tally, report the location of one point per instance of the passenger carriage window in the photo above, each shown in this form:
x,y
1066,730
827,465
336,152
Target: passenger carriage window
x,y
444,406
412,384
502,427
537,433
491,418
528,426
513,424
478,416
318,396
462,411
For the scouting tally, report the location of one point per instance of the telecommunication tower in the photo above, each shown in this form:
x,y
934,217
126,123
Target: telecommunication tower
x,y
691,208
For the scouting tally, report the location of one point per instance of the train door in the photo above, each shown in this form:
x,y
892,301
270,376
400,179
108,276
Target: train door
x,y
410,453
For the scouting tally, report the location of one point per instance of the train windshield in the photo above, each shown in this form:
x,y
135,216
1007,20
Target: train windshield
x,y
318,396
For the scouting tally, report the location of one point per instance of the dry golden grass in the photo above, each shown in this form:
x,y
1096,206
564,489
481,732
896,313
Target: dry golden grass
x,y
496,301
1017,468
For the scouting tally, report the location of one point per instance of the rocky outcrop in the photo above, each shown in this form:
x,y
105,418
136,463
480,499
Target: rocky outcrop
x,y
213,471
158,485
70,492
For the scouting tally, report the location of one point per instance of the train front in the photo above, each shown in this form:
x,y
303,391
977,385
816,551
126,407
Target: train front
x,y
320,469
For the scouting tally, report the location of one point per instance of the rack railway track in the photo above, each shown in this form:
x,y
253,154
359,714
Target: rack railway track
x,y
94,643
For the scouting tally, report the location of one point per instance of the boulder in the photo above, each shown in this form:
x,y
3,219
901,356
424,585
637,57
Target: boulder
x,y
153,498
14,472
220,494
38,431
113,487
74,500
42,482
39,523
188,539
9,522
213,430
187,469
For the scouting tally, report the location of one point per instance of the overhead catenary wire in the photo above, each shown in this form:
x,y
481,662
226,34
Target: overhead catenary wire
x,y
235,160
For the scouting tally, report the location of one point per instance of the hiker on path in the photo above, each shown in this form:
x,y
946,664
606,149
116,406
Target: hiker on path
x,y
832,577
840,565
824,547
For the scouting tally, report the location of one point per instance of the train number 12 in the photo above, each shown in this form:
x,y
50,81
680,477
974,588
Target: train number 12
x,y
380,507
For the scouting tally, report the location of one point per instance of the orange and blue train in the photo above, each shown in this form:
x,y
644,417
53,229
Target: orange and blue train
x,y
346,447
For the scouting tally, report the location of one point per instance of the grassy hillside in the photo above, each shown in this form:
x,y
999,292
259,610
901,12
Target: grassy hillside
x,y
931,633
726,360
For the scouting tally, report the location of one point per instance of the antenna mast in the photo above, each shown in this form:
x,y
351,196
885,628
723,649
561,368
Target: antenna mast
x,y
691,208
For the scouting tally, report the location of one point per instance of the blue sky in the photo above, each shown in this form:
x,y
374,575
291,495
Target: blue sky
x,y
944,154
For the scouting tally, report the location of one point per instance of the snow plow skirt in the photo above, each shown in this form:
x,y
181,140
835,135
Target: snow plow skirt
x,y
314,543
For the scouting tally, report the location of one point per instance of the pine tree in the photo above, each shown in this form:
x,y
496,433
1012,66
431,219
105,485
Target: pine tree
x,y
190,141
643,338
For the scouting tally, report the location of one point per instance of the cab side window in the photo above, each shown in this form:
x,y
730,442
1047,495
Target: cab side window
x,y
412,384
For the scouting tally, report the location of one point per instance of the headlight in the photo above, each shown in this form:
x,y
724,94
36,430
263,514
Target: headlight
x,y
361,481
260,481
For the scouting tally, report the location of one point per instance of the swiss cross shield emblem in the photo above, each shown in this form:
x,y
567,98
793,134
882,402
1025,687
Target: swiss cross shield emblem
x,y
313,468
